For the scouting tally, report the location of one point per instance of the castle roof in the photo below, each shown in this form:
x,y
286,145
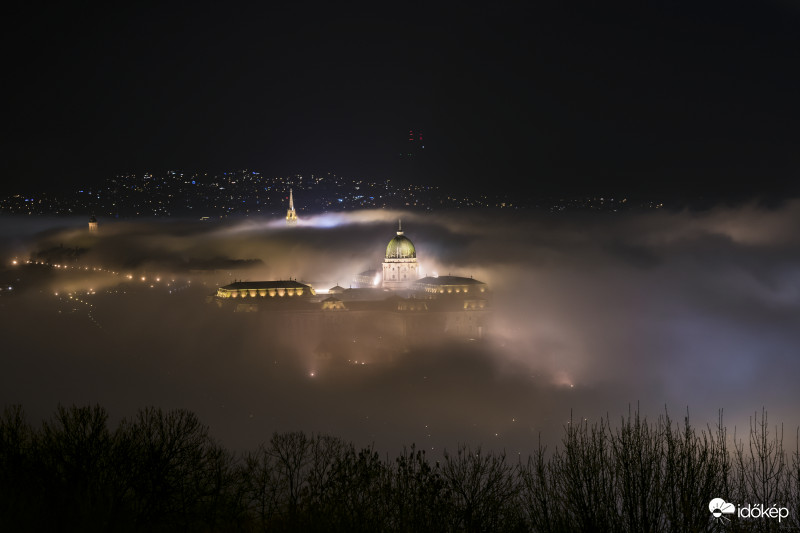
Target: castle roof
x,y
279,284
448,280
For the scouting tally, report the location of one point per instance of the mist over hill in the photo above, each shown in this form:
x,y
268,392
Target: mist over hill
x,y
591,313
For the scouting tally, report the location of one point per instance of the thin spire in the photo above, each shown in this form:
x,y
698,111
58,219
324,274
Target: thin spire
x,y
291,216
399,227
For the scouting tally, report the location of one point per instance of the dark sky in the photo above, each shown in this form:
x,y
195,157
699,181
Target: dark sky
x,y
670,97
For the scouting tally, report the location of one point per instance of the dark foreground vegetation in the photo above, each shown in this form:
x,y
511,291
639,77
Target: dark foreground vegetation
x,y
160,471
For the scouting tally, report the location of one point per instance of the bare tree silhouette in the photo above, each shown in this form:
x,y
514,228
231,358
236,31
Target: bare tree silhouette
x,y
161,471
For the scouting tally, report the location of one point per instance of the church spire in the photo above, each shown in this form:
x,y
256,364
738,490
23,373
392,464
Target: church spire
x,y
291,216
399,227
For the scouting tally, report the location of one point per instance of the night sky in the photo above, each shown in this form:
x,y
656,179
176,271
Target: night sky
x,y
678,98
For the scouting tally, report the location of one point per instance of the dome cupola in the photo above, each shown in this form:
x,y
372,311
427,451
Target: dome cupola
x,y
401,246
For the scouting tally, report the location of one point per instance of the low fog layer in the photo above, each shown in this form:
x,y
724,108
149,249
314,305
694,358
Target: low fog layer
x,y
591,314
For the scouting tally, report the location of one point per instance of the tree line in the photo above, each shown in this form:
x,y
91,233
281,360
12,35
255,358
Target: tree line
x,y
162,471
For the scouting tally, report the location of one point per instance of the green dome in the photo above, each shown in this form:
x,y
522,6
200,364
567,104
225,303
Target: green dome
x,y
400,247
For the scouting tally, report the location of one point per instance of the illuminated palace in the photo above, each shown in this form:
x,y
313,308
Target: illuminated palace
x,y
394,309
265,289
400,265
